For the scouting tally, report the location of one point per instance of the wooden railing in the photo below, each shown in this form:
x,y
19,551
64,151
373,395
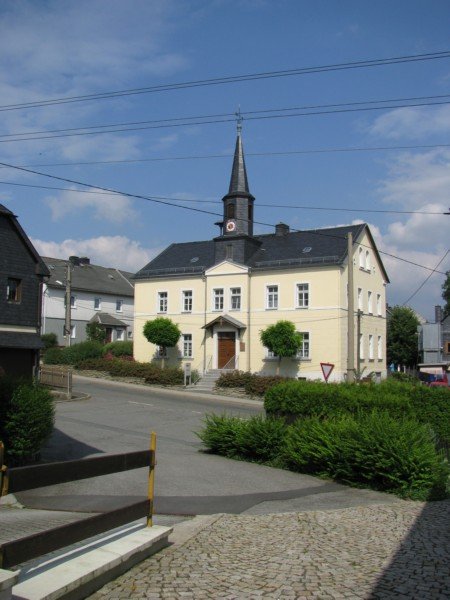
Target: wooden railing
x,y
27,478
59,376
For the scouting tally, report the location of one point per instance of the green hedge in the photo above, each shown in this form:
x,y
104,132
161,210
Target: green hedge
x,y
294,399
371,450
73,355
118,348
124,368
254,385
26,421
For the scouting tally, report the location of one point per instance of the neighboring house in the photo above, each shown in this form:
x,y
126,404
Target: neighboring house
x,y
21,273
434,344
100,294
223,292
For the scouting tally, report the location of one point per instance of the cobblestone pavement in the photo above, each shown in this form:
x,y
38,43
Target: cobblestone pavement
x,y
373,552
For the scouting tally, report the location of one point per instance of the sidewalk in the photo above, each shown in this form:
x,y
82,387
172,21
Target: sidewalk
x,y
375,552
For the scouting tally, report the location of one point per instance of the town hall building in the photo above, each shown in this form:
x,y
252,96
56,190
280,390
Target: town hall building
x,y
222,292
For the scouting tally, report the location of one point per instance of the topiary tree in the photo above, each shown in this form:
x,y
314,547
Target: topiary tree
x,y
162,332
282,339
96,332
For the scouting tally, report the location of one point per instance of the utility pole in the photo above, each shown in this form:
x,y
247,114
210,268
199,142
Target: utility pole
x,y
67,324
350,314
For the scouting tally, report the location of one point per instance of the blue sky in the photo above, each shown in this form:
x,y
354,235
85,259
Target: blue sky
x,y
51,49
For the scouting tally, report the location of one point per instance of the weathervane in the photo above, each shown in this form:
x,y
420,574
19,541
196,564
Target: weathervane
x,y
239,119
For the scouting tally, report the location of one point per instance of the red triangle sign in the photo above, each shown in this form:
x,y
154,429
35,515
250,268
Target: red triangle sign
x,y
326,369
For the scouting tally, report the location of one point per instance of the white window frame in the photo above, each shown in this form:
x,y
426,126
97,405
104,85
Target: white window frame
x,y
371,349
301,353
120,334
360,299
187,301
270,355
304,293
275,295
73,332
236,294
361,258
361,346
118,301
161,352
162,302
379,311
370,302
367,261
218,299
380,348
187,345
97,304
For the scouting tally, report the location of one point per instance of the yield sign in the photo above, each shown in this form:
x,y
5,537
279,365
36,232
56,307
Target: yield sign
x,y
326,370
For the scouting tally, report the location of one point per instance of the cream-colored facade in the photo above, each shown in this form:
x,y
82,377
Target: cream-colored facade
x,y
225,307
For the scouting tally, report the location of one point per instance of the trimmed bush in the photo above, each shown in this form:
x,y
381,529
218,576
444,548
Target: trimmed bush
x,y
73,355
50,340
220,433
119,367
260,439
373,450
53,356
233,379
28,422
118,349
258,385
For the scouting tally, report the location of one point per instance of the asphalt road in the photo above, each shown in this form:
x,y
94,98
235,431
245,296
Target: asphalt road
x,y
119,418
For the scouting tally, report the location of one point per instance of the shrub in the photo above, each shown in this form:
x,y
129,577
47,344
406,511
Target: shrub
x,y
73,355
233,379
50,340
118,349
28,422
53,356
219,434
258,385
374,450
166,376
260,439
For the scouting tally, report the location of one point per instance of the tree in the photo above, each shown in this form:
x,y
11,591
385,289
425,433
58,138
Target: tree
x,y
95,332
446,293
402,336
282,339
162,332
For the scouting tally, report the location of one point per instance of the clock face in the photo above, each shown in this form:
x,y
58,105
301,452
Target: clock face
x,y
230,226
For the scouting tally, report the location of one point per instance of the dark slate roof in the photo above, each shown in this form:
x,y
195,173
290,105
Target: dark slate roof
x,y
90,278
238,181
24,341
41,269
107,319
317,247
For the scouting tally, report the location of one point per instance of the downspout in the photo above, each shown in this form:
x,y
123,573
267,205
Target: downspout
x,y
204,322
249,297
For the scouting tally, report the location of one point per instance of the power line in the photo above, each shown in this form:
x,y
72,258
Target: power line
x,y
255,154
244,114
191,208
425,281
232,79
216,121
197,201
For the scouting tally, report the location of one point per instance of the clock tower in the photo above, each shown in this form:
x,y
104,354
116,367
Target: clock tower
x,y
236,241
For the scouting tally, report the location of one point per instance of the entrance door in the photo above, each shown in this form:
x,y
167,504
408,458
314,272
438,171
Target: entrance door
x,y
108,338
226,349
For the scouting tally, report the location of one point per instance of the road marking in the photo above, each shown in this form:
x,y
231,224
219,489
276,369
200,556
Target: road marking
x,y
197,412
141,403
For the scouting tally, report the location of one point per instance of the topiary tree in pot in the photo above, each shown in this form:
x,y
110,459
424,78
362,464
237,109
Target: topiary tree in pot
x,y
162,332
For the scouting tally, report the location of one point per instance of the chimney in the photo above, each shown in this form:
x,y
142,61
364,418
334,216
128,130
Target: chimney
x,y
281,229
438,314
84,260
75,260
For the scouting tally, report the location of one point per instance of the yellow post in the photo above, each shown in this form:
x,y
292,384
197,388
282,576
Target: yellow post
x,y
151,478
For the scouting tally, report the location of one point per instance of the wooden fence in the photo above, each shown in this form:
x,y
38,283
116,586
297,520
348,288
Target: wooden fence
x,y
58,376
27,478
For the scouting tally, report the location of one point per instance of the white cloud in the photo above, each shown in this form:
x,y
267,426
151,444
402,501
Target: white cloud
x,y
109,251
107,207
412,123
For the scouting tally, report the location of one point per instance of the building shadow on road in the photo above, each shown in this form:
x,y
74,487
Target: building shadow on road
x,y
420,568
61,447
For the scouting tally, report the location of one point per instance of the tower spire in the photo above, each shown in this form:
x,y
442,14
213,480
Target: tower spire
x,y
238,181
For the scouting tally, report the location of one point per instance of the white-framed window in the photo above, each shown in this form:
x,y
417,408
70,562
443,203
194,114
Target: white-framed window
x,y
272,297
304,351
302,295
271,355
187,345
379,313
187,300
367,265
369,303
235,298
119,305
161,352
218,299
361,258
380,348
120,335
13,290
360,299
162,302
361,345
73,331
97,303
370,346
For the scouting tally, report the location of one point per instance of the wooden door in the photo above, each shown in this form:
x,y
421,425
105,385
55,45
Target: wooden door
x,y
108,338
226,349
